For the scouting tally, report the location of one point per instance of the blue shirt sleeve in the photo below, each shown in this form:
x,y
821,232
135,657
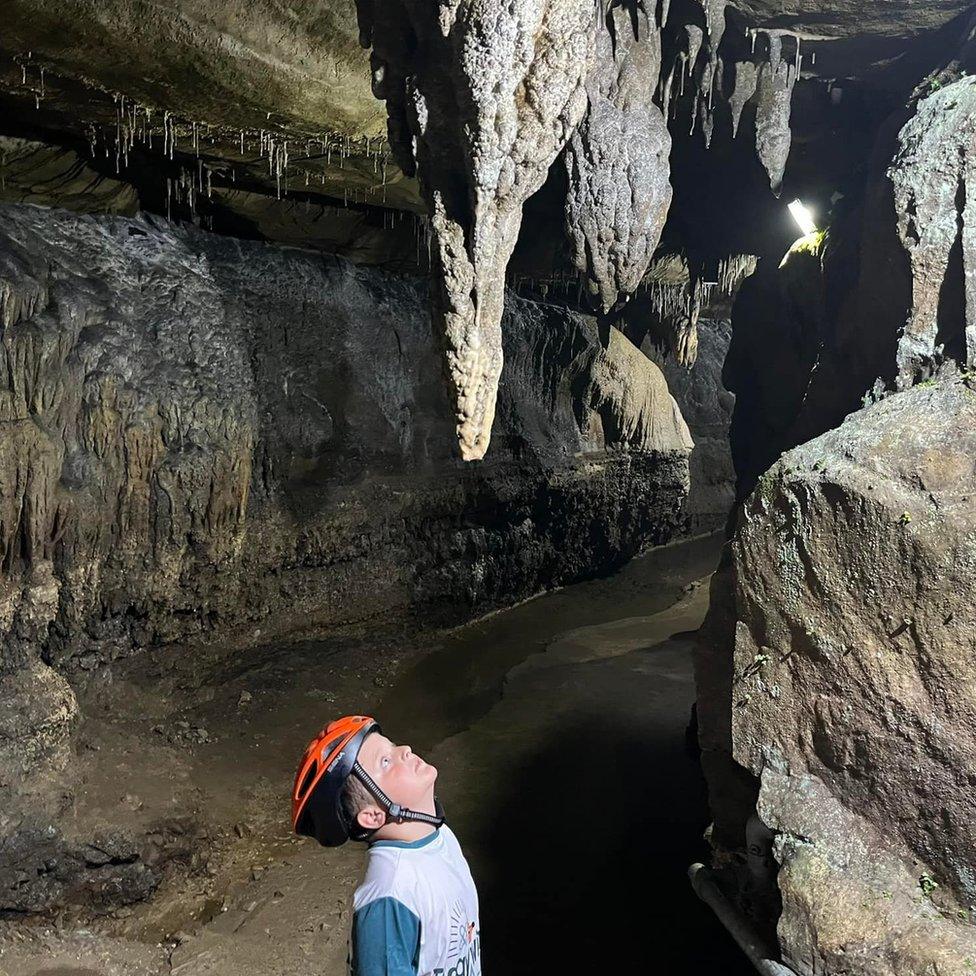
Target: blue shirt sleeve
x,y
385,940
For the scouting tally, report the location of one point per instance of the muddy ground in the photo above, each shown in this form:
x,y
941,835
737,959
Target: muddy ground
x,y
559,730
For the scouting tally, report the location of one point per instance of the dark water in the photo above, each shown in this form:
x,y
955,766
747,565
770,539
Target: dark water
x,y
568,778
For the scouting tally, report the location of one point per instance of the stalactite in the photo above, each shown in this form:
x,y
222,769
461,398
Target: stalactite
x,y
773,135
617,161
481,116
715,24
666,91
696,37
746,83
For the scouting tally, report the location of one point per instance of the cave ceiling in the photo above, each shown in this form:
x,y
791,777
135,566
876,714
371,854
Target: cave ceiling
x,y
419,135
296,73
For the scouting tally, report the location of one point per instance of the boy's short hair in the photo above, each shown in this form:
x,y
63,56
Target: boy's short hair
x,y
355,797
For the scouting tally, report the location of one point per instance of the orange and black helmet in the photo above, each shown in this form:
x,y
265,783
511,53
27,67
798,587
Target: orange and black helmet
x,y
330,759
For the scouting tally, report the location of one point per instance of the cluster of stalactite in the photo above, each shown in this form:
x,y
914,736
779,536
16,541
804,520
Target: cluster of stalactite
x,y
699,81
482,97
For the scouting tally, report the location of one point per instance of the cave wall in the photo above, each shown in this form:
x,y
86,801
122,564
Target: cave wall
x,y
854,687
203,432
843,717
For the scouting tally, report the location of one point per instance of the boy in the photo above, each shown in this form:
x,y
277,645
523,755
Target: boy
x,y
416,911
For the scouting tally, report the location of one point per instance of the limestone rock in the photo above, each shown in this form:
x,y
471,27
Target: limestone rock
x,y
934,178
745,84
617,160
838,18
854,686
631,401
481,98
706,406
775,102
39,710
203,431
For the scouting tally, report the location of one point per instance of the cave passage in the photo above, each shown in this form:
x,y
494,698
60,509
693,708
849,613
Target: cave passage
x,y
460,364
560,730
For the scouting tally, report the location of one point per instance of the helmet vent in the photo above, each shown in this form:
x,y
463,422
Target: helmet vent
x,y
309,777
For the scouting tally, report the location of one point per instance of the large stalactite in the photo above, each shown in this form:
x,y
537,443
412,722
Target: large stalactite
x,y
481,99
618,159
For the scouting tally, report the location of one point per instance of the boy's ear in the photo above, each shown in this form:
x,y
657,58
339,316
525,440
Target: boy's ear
x,y
371,818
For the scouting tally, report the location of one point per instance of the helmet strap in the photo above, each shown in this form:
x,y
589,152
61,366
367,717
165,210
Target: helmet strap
x,y
394,811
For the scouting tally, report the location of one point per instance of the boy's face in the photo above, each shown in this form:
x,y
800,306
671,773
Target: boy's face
x,y
403,776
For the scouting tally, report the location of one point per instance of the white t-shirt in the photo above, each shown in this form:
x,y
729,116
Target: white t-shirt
x,y
416,912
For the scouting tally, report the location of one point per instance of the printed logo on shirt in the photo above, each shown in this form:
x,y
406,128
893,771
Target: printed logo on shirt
x,y
464,950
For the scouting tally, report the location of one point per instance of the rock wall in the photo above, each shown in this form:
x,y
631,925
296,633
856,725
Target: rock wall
x,y
843,719
203,432
854,686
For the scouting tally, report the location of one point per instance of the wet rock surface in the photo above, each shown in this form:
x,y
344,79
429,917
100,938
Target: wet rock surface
x,y
197,418
852,698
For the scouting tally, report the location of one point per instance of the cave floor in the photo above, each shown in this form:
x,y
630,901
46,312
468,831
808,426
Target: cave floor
x,y
559,728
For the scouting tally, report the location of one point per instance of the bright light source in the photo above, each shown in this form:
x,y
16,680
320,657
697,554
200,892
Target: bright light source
x,y
803,217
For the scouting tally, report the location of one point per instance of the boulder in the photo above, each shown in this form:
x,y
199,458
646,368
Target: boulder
x,y
853,686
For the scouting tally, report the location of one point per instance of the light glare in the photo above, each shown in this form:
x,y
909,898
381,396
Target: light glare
x,y
803,217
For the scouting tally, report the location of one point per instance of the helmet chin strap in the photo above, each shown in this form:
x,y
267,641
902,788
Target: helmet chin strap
x,y
394,811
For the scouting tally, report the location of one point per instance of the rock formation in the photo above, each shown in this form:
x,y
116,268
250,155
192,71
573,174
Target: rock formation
x,y
202,429
190,418
775,86
845,705
481,98
706,406
934,178
852,686
617,160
